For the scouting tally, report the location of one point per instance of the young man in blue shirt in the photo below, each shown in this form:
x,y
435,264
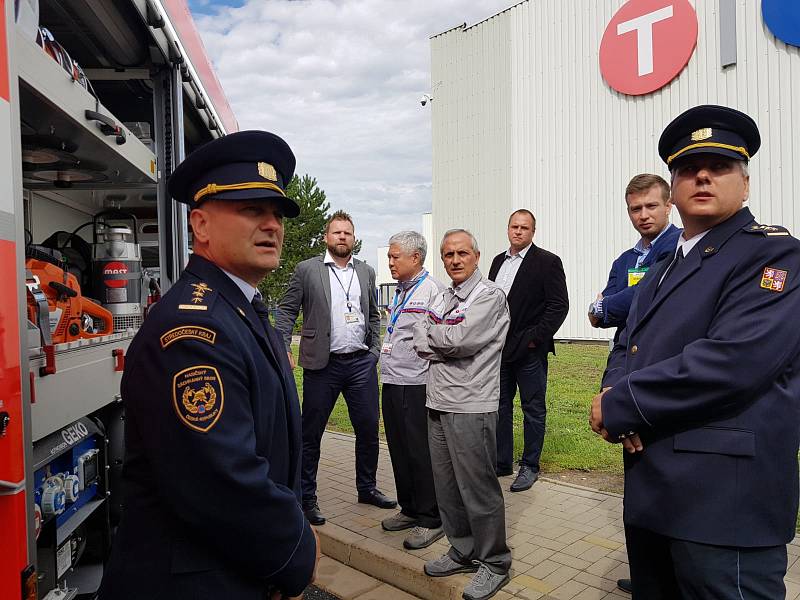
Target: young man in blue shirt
x,y
648,202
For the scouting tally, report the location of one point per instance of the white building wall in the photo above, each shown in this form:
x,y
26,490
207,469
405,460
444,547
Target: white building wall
x,y
523,119
382,273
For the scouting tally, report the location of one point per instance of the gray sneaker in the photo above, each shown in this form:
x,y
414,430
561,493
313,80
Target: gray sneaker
x,y
485,584
444,566
422,537
398,522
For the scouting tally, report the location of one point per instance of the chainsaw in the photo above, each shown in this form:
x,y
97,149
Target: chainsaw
x,y
57,307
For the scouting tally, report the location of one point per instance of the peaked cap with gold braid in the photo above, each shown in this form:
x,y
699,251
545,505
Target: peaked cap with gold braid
x,y
246,165
710,129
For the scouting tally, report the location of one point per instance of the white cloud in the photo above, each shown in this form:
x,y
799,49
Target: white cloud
x,y
340,81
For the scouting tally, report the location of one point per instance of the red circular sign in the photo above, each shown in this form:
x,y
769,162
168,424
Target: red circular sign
x,y
115,268
646,44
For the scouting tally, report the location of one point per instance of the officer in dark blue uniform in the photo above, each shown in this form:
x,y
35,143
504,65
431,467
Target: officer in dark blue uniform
x,y
703,387
212,445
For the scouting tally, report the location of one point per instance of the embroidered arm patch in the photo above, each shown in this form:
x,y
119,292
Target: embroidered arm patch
x,y
188,331
773,279
198,397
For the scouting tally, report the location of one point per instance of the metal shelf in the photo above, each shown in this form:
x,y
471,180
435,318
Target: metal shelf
x,y
85,381
52,104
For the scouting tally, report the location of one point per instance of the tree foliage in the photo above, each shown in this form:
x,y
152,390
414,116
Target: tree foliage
x,y
304,236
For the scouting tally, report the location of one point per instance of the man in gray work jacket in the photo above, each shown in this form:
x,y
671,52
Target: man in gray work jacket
x,y
463,338
404,373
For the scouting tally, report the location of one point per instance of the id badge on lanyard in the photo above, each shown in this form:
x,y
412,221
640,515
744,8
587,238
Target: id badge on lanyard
x,y
396,310
635,275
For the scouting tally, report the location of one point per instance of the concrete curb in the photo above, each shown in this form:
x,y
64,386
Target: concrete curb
x,y
390,565
581,487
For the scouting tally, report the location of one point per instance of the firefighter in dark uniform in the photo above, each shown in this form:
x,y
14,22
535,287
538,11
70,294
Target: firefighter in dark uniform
x,y
703,387
212,442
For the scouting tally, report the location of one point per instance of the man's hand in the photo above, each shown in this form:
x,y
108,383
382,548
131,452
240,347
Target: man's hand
x,y
291,359
596,415
631,444
594,320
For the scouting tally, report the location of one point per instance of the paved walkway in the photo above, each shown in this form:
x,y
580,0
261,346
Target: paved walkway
x,y
567,541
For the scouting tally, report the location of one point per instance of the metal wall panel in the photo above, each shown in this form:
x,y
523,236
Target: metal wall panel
x,y
523,119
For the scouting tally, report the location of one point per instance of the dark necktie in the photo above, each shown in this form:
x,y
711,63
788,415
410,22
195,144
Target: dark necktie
x,y
673,266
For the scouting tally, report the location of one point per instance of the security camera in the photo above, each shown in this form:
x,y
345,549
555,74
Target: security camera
x,y
425,99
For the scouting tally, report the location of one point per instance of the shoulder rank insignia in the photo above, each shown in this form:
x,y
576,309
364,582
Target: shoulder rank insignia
x,y
188,332
773,279
200,290
198,397
768,230
198,297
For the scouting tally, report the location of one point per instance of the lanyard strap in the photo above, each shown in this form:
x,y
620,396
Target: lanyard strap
x,y
346,291
396,310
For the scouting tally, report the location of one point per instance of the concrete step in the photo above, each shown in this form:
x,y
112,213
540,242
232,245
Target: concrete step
x,y
347,583
399,569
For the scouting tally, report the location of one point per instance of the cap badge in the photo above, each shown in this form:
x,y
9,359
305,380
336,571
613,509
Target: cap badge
x,y
702,134
267,171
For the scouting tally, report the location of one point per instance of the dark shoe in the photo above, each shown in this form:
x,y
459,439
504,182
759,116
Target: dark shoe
x,y
525,479
503,471
444,566
485,584
314,515
625,585
398,522
376,498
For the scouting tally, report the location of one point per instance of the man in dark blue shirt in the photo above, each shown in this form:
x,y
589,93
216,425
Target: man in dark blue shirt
x,y
649,207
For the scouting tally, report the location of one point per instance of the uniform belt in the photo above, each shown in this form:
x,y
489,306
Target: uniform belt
x,y
348,355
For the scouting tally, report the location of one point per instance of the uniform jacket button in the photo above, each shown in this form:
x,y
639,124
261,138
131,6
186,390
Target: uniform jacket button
x,y
634,349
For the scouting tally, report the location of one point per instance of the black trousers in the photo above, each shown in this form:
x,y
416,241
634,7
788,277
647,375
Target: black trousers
x,y
529,373
356,377
664,568
405,420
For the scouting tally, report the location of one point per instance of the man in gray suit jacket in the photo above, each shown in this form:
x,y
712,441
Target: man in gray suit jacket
x,y
339,350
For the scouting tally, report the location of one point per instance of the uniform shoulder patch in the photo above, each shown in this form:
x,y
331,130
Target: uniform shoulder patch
x,y
767,230
773,279
188,332
198,397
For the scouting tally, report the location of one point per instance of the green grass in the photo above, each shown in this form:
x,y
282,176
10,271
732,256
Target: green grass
x,y
573,379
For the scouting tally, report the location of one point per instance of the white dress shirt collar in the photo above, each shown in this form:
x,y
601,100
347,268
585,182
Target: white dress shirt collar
x,y
328,260
521,253
248,290
687,245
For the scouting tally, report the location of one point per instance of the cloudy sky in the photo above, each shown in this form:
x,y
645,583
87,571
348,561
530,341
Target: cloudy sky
x,y
341,82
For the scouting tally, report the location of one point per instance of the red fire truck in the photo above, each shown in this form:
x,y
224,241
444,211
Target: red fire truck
x,y
99,101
